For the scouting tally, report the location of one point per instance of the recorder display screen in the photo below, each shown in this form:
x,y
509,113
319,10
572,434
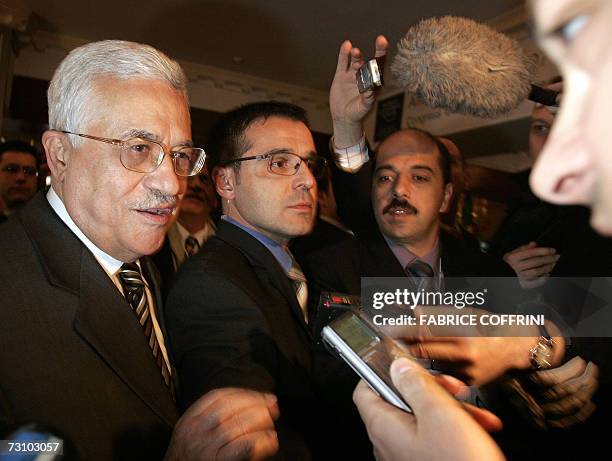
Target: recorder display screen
x,y
355,333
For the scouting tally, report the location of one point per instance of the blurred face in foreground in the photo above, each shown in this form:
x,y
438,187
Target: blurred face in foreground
x,y
576,163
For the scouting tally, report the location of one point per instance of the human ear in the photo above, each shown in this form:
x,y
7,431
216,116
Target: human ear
x,y
57,151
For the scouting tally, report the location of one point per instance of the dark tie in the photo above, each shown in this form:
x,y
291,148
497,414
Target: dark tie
x,y
299,285
421,274
192,246
135,293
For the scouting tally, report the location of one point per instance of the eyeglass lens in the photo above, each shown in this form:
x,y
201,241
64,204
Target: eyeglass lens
x,y
145,156
287,164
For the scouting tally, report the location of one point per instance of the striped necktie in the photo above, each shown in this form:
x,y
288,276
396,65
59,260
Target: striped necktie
x,y
135,293
299,285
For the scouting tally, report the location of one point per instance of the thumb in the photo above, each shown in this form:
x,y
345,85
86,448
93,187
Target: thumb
x,y
343,56
417,387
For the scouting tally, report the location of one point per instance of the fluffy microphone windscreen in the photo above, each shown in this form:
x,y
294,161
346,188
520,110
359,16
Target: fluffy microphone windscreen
x,y
457,64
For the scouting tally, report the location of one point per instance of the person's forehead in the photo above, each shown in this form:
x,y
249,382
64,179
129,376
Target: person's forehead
x,y
140,102
279,133
407,141
408,161
542,113
407,149
22,158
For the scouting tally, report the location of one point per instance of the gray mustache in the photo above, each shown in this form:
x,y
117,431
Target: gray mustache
x,y
157,199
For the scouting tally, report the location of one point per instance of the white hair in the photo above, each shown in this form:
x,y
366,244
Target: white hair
x,y
72,88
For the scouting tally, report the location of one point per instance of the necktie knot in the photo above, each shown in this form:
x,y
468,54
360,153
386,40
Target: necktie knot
x,y
192,246
133,286
421,274
418,268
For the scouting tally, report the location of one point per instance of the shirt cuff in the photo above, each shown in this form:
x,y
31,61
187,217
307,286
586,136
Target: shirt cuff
x,y
351,159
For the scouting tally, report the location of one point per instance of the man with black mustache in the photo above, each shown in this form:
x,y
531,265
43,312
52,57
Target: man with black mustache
x,y
400,236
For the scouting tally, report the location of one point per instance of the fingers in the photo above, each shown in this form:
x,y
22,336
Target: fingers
x,y
585,412
218,405
521,259
366,400
570,390
487,420
356,59
452,385
381,46
352,56
574,367
243,421
535,262
226,424
254,446
344,56
570,395
418,388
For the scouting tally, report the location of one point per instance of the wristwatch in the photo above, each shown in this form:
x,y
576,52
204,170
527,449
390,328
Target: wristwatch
x,y
541,354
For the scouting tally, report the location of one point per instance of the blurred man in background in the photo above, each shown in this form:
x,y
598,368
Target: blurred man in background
x,y
18,175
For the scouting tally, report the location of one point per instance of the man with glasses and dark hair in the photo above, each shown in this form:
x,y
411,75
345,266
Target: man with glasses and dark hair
x,y
236,314
83,338
18,176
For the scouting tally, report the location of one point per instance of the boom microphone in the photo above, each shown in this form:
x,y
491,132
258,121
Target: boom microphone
x,y
462,66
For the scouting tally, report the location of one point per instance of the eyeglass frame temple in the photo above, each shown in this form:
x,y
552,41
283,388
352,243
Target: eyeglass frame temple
x,y
264,156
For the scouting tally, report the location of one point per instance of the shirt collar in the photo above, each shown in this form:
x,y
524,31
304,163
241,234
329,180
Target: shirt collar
x,y
110,264
281,253
200,235
405,256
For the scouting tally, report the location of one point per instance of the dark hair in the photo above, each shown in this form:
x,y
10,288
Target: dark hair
x,y
226,140
20,146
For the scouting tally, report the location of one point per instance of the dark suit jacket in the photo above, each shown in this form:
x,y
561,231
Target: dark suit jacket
x,y
164,261
324,234
341,267
233,320
73,356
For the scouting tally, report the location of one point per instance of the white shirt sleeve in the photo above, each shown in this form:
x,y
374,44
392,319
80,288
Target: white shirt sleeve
x,y
351,159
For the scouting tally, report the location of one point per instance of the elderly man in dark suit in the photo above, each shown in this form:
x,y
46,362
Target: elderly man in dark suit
x,y
83,343
236,313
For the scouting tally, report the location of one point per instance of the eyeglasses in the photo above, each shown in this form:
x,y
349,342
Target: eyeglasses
x,y
144,156
13,168
287,164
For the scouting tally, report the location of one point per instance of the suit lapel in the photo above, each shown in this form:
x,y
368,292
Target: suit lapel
x,y
105,321
103,318
265,264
